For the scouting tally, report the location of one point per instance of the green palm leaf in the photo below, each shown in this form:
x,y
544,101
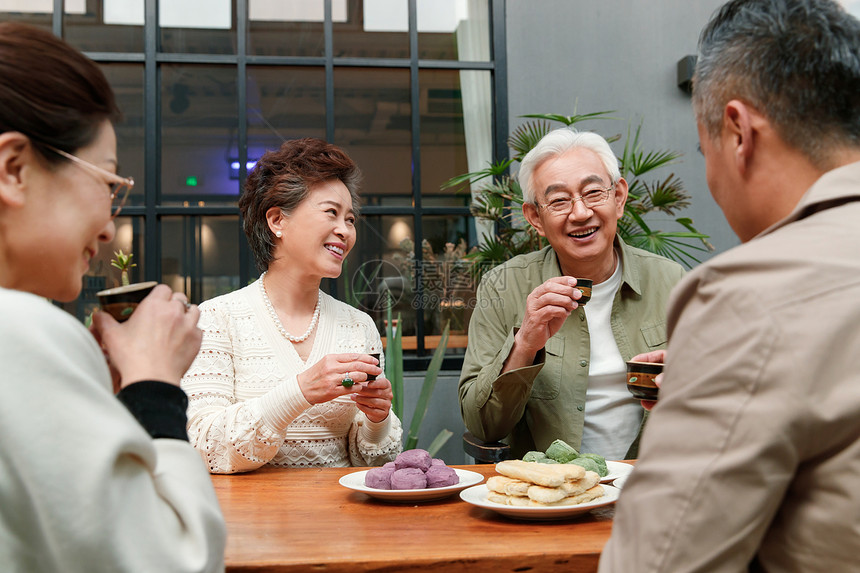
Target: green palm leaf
x,y
427,391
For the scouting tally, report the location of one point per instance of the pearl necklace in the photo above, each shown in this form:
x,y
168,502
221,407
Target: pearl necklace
x,y
277,320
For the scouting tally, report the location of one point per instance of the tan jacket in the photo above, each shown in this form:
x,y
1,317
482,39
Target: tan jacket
x,y
532,406
752,455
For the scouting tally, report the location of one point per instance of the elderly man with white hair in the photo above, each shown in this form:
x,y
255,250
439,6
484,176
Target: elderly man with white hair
x,y
540,366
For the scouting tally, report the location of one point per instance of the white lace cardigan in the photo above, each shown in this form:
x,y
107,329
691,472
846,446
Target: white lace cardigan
x,y
245,406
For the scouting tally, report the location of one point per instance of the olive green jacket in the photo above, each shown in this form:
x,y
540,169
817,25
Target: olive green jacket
x,y
530,407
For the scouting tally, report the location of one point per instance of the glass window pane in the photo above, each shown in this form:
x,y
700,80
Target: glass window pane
x,y
198,26
200,255
199,135
106,26
373,124
127,83
284,103
378,273
456,130
286,28
101,275
449,285
454,30
34,12
372,29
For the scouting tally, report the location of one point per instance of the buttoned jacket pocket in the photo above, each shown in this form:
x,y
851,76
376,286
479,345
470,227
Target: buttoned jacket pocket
x,y
548,381
655,335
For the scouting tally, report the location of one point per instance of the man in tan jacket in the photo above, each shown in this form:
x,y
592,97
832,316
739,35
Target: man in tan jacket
x,y
751,458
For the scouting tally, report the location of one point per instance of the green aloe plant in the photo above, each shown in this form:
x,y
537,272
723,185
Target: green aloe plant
x,y
499,198
394,373
122,261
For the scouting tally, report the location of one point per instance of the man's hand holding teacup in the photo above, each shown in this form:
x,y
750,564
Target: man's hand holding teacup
x,y
658,356
547,307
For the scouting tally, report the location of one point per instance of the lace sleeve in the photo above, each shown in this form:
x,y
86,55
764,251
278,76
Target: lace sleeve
x,y
374,443
233,435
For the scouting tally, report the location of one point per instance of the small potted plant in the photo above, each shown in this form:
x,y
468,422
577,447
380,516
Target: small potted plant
x,y
122,261
121,301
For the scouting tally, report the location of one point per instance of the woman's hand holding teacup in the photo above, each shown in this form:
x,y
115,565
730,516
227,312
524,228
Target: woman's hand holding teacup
x,y
324,380
374,399
159,341
658,356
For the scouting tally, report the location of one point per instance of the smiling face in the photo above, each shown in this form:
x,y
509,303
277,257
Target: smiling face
x,y
56,229
320,232
583,239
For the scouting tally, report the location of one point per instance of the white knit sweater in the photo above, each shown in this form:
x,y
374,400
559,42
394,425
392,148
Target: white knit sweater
x,y
83,487
245,405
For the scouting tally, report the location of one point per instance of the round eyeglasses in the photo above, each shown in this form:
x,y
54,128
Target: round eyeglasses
x,y
591,197
119,186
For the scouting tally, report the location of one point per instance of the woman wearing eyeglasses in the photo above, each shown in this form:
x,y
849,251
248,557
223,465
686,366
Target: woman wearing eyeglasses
x,y
90,481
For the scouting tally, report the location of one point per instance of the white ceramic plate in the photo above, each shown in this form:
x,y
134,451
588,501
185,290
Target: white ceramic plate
x,y
619,483
616,470
355,481
477,495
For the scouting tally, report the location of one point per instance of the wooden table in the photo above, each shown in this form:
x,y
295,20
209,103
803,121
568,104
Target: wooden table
x,y
303,520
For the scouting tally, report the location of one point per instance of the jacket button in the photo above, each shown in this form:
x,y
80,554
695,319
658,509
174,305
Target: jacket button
x,y
580,408
583,363
581,316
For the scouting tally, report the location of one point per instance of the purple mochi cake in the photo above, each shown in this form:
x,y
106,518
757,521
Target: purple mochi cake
x,y
408,478
419,459
378,478
441,476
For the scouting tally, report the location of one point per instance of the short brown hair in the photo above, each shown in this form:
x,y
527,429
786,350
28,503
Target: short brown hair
x,y
51,92
283,178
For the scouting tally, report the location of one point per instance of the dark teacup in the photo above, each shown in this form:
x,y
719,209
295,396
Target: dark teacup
x,y
370,376
584,286
640,379
120,302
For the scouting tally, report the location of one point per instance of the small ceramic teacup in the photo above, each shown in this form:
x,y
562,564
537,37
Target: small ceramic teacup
x,y
120,302
371,376
584,286
640,379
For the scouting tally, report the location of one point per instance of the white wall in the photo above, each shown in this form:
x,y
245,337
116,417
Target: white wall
x,y
615,55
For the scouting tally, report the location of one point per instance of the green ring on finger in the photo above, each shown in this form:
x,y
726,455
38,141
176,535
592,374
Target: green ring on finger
x,y
347,382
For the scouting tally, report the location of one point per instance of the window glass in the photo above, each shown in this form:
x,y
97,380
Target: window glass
x,y
372,122
101,275
286,27
105,26
283,103
371,29
200,255
448,280
198,26
454,30
378,273
456,130
33,12
127,83
199,135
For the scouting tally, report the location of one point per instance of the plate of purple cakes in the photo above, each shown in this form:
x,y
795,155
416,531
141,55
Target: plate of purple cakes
x,y
413,476
355,481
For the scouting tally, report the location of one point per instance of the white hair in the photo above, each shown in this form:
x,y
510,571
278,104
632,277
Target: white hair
x,y
560,141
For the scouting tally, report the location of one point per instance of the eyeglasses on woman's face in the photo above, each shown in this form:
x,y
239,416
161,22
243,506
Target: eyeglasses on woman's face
x,y
592,196
119,186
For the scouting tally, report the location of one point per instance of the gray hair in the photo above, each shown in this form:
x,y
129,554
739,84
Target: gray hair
x,y
795,61
556,143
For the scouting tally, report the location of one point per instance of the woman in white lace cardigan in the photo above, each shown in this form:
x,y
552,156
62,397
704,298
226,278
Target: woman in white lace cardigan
x,y
282,373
